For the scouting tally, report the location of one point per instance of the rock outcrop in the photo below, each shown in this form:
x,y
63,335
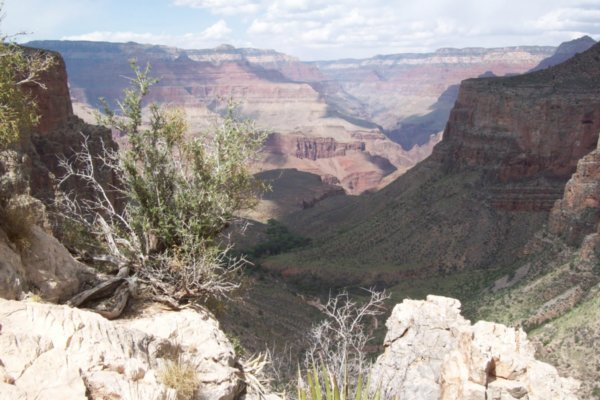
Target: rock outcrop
x,y
577,214
53,101
51,352
432,352
527,132
317,148
33,260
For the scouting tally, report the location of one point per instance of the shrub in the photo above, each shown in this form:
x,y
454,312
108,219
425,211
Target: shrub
x,y
321,384
279,240
19,69
181,193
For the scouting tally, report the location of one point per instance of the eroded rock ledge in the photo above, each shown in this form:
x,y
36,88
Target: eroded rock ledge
x,y
432,352
53,352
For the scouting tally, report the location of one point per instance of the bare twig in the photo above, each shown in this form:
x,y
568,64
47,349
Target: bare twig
x,y
339,341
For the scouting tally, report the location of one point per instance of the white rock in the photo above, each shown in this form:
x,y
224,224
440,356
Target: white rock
x,y
432,352
206,347
57,352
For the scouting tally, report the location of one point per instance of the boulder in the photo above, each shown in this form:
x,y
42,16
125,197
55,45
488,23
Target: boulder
x,y
51,351
11,269
206,347
432,352
49,267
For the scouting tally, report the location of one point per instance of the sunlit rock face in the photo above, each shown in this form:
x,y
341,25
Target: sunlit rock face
x,y
432,352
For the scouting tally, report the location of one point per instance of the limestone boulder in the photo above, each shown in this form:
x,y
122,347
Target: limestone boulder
x,y
432,352
56,352
205,346
49,267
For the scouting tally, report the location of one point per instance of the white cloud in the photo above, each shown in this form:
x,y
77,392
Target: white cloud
x,y
220,30
212,36
224,7
570,19
338,28
105,36
320,29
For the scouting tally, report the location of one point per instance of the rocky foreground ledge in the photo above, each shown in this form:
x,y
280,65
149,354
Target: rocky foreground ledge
x,y
432,352
55,352
52,351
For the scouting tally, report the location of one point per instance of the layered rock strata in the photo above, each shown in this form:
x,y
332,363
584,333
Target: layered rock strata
x,y
396,89
275,90
527,132
432,352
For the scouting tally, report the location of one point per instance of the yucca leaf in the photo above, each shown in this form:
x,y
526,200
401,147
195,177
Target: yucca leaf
x,y
301,391
377,395
327,378
359,388
311,386
336,389
317,382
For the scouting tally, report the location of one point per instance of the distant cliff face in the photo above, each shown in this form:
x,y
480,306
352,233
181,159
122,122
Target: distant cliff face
x,y
280,93
405,92
528,131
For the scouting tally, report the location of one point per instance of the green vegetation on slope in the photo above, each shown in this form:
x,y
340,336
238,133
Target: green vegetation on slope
x,y
426,226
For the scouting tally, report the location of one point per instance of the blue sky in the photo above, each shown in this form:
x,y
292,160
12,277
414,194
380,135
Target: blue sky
x,y
309,29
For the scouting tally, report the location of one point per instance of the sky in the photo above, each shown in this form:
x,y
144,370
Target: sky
x,y
308,29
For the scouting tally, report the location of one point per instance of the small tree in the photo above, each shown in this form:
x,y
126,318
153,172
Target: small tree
x,y
180,192
20,69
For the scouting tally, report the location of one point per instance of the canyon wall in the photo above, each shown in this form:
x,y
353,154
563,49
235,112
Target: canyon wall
x,y
382,101
410,95
509,148
526,132
577,214
280,93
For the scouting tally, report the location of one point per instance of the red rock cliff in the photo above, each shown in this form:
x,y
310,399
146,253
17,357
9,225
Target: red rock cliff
x,y
60,133
527,132
316,148
54,102
577,214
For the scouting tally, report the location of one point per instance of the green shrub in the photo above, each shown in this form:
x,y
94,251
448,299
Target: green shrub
x,y
19,70
181,192
279,240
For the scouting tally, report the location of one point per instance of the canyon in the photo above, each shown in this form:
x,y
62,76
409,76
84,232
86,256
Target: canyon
x,y
51,350
332,119
509,147
504,215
